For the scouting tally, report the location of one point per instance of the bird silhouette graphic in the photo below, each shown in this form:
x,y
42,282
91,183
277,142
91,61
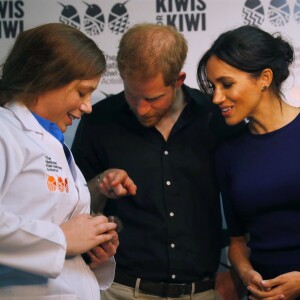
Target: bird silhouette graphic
x,y
278,12
297,11
93,19
253,12
118,18
69,16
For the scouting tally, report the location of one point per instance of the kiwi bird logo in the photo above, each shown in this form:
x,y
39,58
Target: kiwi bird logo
x,y
118,18
69,16
278,12
253,12
93,19
297,11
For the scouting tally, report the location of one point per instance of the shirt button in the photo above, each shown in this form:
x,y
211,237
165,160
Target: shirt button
x,y
166,152
173,276
168,182
172,214
172,245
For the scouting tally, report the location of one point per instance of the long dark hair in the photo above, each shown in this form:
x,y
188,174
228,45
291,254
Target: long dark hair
x,y
251,50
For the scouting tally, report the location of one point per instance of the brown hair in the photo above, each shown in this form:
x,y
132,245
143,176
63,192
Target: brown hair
x,y
48,57
146,49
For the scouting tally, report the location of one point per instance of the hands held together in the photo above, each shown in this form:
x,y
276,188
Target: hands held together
x,y
94,235
285,286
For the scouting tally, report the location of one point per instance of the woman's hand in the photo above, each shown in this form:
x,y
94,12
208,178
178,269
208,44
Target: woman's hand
x,y
84,232
285,286
252,279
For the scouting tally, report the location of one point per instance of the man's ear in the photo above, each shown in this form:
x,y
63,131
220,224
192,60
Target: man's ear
x,y
180,79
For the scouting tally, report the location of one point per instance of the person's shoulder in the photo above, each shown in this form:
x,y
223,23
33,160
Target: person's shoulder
x,y
197,96
106,109
232,147
8,118
111,103
200,102
12,127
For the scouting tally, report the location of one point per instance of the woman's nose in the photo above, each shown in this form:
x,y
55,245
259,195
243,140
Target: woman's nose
x,y
86,106
218,97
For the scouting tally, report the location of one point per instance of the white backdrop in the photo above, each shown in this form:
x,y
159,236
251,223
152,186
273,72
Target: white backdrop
x,y
201,21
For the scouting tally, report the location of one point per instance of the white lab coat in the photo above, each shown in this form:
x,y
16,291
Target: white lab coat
x,y
38,192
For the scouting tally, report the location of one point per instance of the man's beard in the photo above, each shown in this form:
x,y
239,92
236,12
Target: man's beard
x,y
148,121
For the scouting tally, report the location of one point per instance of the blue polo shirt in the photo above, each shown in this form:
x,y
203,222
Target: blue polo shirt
x,y
53,129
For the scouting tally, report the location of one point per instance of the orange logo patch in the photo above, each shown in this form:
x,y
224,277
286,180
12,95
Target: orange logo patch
x,y
66,185
51,183
59,183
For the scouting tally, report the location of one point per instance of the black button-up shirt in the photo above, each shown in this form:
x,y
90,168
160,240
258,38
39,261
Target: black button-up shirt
x,y
172,227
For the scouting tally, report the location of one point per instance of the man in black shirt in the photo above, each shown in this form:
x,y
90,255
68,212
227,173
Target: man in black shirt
x,y
149,151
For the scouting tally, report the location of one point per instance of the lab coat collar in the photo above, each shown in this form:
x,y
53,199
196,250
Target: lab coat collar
x,y
24,115
30,123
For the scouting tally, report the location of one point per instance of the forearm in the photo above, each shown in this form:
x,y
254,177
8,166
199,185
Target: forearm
x,y
98,199
238,254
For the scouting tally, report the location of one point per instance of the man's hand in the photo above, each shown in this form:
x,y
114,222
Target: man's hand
x,y
115,183
103,252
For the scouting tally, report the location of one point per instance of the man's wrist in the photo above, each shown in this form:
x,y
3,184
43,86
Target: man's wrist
x,y
98,179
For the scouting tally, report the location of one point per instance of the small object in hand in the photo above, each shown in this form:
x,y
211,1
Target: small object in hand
x,y
112,219
117,221
86,258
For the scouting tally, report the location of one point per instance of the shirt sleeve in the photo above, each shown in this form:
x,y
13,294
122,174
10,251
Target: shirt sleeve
x,y
105,273
85,153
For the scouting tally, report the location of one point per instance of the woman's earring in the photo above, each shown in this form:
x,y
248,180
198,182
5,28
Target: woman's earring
x,y
264,88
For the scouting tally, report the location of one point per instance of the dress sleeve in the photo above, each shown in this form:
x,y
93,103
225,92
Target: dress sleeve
x,y
235,225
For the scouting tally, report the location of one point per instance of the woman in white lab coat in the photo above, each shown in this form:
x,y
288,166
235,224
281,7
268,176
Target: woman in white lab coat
x,y
45,225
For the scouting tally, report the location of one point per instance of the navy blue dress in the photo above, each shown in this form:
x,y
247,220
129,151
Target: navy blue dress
x,y
259,176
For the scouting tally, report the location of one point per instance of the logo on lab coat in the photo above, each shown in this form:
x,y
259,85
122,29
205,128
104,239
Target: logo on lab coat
x,y
57,183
